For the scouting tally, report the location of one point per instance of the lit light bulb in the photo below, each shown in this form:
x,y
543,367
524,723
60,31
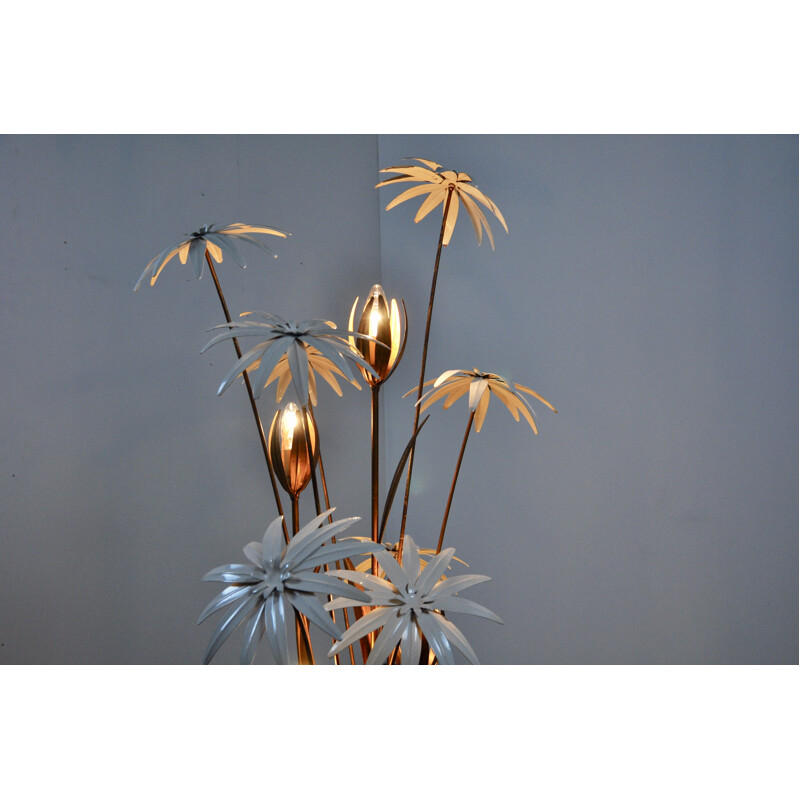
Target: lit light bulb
x,y
288,425
380,320
292,448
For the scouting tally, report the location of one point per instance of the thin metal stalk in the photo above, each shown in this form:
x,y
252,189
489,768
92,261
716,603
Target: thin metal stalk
x,y
348,564
302,636
253,406
375,440
422,373
317,505
453,484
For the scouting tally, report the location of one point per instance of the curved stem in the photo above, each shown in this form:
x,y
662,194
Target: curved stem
x,y
253,406
422,370
453,484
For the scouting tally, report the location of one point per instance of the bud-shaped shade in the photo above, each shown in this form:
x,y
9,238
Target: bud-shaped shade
x,y
381,321
291,455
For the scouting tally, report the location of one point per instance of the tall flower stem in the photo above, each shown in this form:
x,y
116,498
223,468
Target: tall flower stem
x,y
453,484
305,653
253,406
375,440
422,370
317,503
348,564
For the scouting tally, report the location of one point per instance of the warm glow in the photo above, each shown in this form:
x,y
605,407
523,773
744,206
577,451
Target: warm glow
x,y
289,420
374,317
380,320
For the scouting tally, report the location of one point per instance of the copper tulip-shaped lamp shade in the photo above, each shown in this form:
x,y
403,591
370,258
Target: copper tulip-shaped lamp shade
x,y
381,321
293,449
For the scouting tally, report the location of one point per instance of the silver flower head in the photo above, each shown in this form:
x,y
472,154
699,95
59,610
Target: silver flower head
x,y
214,239
481,385
292,339
410,602
278,578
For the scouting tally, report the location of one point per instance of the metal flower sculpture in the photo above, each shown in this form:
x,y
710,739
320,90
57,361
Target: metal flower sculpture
x,y
438,186
410,602
282,577
214,240
291,339
481,386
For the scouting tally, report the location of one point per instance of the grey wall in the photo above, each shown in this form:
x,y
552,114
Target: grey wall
x,y
125,478
647,287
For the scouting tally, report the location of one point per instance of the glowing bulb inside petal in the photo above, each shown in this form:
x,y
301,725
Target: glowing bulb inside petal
x,y
289,421
380,320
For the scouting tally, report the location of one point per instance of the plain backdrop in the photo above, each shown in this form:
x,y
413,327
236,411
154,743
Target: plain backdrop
x,y
647,287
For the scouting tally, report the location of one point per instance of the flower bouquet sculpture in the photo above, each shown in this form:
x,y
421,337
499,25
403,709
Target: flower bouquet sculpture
x,y
395,599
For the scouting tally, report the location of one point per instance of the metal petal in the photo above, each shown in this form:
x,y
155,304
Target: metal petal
x,y
367,624
309,605
226,596
392,631
476,390
461,605
450,223
339,551
459,583
226,244
433,570
253,552
534,394
312,536
234,573
197,256
411,643
480,411
154,267
311,581
270,357
394,571
272,543
410,194
428,622
436,197
298,364
277,630
253,632
457,638
243,610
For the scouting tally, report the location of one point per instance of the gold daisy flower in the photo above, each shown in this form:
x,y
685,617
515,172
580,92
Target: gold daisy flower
x,y
481,386
437,186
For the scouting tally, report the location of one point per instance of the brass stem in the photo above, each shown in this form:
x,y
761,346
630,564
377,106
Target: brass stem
x,y
422,372
253,406
453,484
330,519
375,437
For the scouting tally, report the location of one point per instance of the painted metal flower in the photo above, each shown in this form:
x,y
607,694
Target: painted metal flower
x,y
437,185
278,579
291,339
481,386
410,602
214,239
